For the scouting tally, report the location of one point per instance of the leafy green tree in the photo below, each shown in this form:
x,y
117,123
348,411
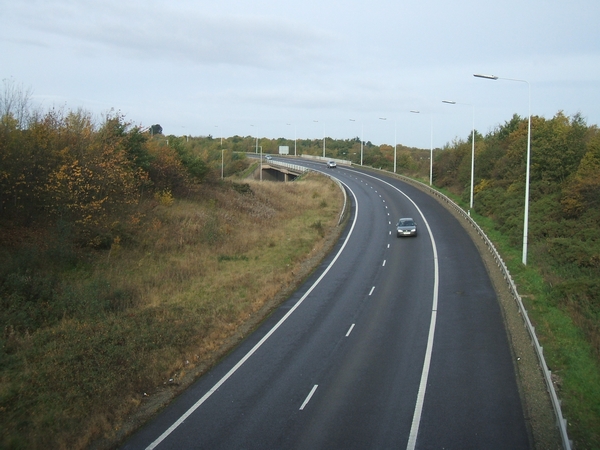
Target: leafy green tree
x,y
452,168
136,150
582,192
559,145
194,164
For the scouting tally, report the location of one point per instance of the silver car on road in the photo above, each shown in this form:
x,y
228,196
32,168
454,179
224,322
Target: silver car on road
x,y
406,227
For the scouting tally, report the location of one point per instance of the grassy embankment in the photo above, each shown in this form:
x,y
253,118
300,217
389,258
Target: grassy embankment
x,y
156,309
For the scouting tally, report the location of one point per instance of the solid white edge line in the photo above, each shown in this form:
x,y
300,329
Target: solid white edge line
x,y
310,394
234,369
350,330
414,430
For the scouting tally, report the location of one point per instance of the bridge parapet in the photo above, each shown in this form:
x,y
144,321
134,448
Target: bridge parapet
x,y
339,162
291,167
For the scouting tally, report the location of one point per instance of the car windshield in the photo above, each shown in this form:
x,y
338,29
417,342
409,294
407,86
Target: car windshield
x,y
406,223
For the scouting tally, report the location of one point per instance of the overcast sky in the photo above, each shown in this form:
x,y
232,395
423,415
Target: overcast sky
x,y
305,68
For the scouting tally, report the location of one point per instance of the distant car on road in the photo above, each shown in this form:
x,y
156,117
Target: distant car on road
x,y
406,227
331,165
269,157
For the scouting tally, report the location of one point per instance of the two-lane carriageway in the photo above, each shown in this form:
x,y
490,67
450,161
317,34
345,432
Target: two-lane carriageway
x,y
391,343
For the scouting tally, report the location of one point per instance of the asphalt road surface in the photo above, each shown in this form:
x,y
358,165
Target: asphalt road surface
x,y
391,343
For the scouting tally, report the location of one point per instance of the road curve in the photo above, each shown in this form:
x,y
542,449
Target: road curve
x,y
341,363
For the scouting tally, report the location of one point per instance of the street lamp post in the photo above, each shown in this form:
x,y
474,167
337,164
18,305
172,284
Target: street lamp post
x,y
528,164
450,102
430,145
362,132
395,145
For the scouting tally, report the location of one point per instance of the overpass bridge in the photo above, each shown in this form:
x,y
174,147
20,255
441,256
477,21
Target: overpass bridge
x,y
271,170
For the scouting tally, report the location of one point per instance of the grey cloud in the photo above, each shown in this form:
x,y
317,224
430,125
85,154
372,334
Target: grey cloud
x,y
184,35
